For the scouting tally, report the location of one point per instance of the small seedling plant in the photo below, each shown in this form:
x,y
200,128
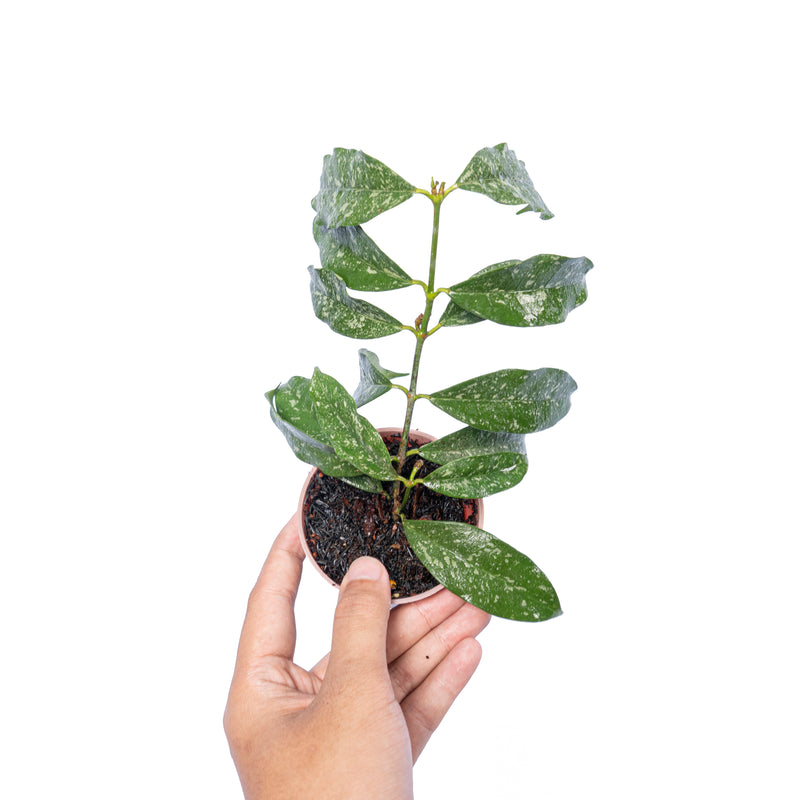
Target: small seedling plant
x,y
320,418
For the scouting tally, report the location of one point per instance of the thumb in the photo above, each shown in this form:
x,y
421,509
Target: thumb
x,y
358,649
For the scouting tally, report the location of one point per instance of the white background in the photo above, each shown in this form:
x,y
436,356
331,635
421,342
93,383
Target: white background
x,y
157,161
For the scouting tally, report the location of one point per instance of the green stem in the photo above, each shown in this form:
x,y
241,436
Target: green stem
x,y
422,335
410,485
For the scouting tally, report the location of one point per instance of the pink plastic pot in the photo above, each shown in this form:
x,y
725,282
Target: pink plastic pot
x,y
420,436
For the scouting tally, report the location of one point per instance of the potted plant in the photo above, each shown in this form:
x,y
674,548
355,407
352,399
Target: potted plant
x,y
394,486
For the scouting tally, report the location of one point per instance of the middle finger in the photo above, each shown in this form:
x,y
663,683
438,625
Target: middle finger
x,y
410,669
410,622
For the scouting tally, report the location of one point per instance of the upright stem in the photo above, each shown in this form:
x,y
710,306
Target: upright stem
x,y
422,335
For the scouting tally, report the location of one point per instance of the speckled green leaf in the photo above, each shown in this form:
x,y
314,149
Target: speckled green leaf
x,y
499,174
539,291
476,463
355,258
355,187
512,400
375,379
483,570
352,436
363,482
467,442
292,410
478,476
456,315
344,314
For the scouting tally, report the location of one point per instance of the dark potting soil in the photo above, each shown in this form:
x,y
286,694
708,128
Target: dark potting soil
x,y
343,523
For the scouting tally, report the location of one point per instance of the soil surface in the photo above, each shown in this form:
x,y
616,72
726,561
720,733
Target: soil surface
x,y
343,523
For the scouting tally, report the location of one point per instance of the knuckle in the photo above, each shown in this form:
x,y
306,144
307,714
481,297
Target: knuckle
x,y
421,719
403,680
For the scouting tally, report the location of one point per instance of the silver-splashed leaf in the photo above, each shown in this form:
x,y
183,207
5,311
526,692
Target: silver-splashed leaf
x,y
292,410
344,314
476,463
363,482
467,442
456,315
355,258
513,400
355,187
483,570
375,379
539,291
352,436
499,174
478,476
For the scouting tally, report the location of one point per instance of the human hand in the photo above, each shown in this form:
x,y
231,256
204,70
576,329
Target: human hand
x,y
352,726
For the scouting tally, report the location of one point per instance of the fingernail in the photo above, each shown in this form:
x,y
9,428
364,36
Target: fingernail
x,y
365,569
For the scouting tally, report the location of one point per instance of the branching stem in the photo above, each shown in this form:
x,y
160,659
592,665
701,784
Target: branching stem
x,y
422,332
411,484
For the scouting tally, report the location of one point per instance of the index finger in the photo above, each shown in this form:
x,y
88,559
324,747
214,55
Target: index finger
x,y
269,627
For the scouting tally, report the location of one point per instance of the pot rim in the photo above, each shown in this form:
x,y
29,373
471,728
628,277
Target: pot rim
x,y
301,527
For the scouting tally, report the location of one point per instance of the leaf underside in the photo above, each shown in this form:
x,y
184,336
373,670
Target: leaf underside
x,y
375,379
455,316
347,315
363,482
483,570
355,258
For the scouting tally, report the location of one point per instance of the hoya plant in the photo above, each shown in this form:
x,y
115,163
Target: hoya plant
x,y
319,417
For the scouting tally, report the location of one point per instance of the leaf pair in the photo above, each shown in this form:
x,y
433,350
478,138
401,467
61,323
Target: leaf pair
x,y
355,187
499,408
539,291
476,463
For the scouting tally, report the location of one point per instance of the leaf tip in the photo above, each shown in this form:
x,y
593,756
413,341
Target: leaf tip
x,y
544,213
